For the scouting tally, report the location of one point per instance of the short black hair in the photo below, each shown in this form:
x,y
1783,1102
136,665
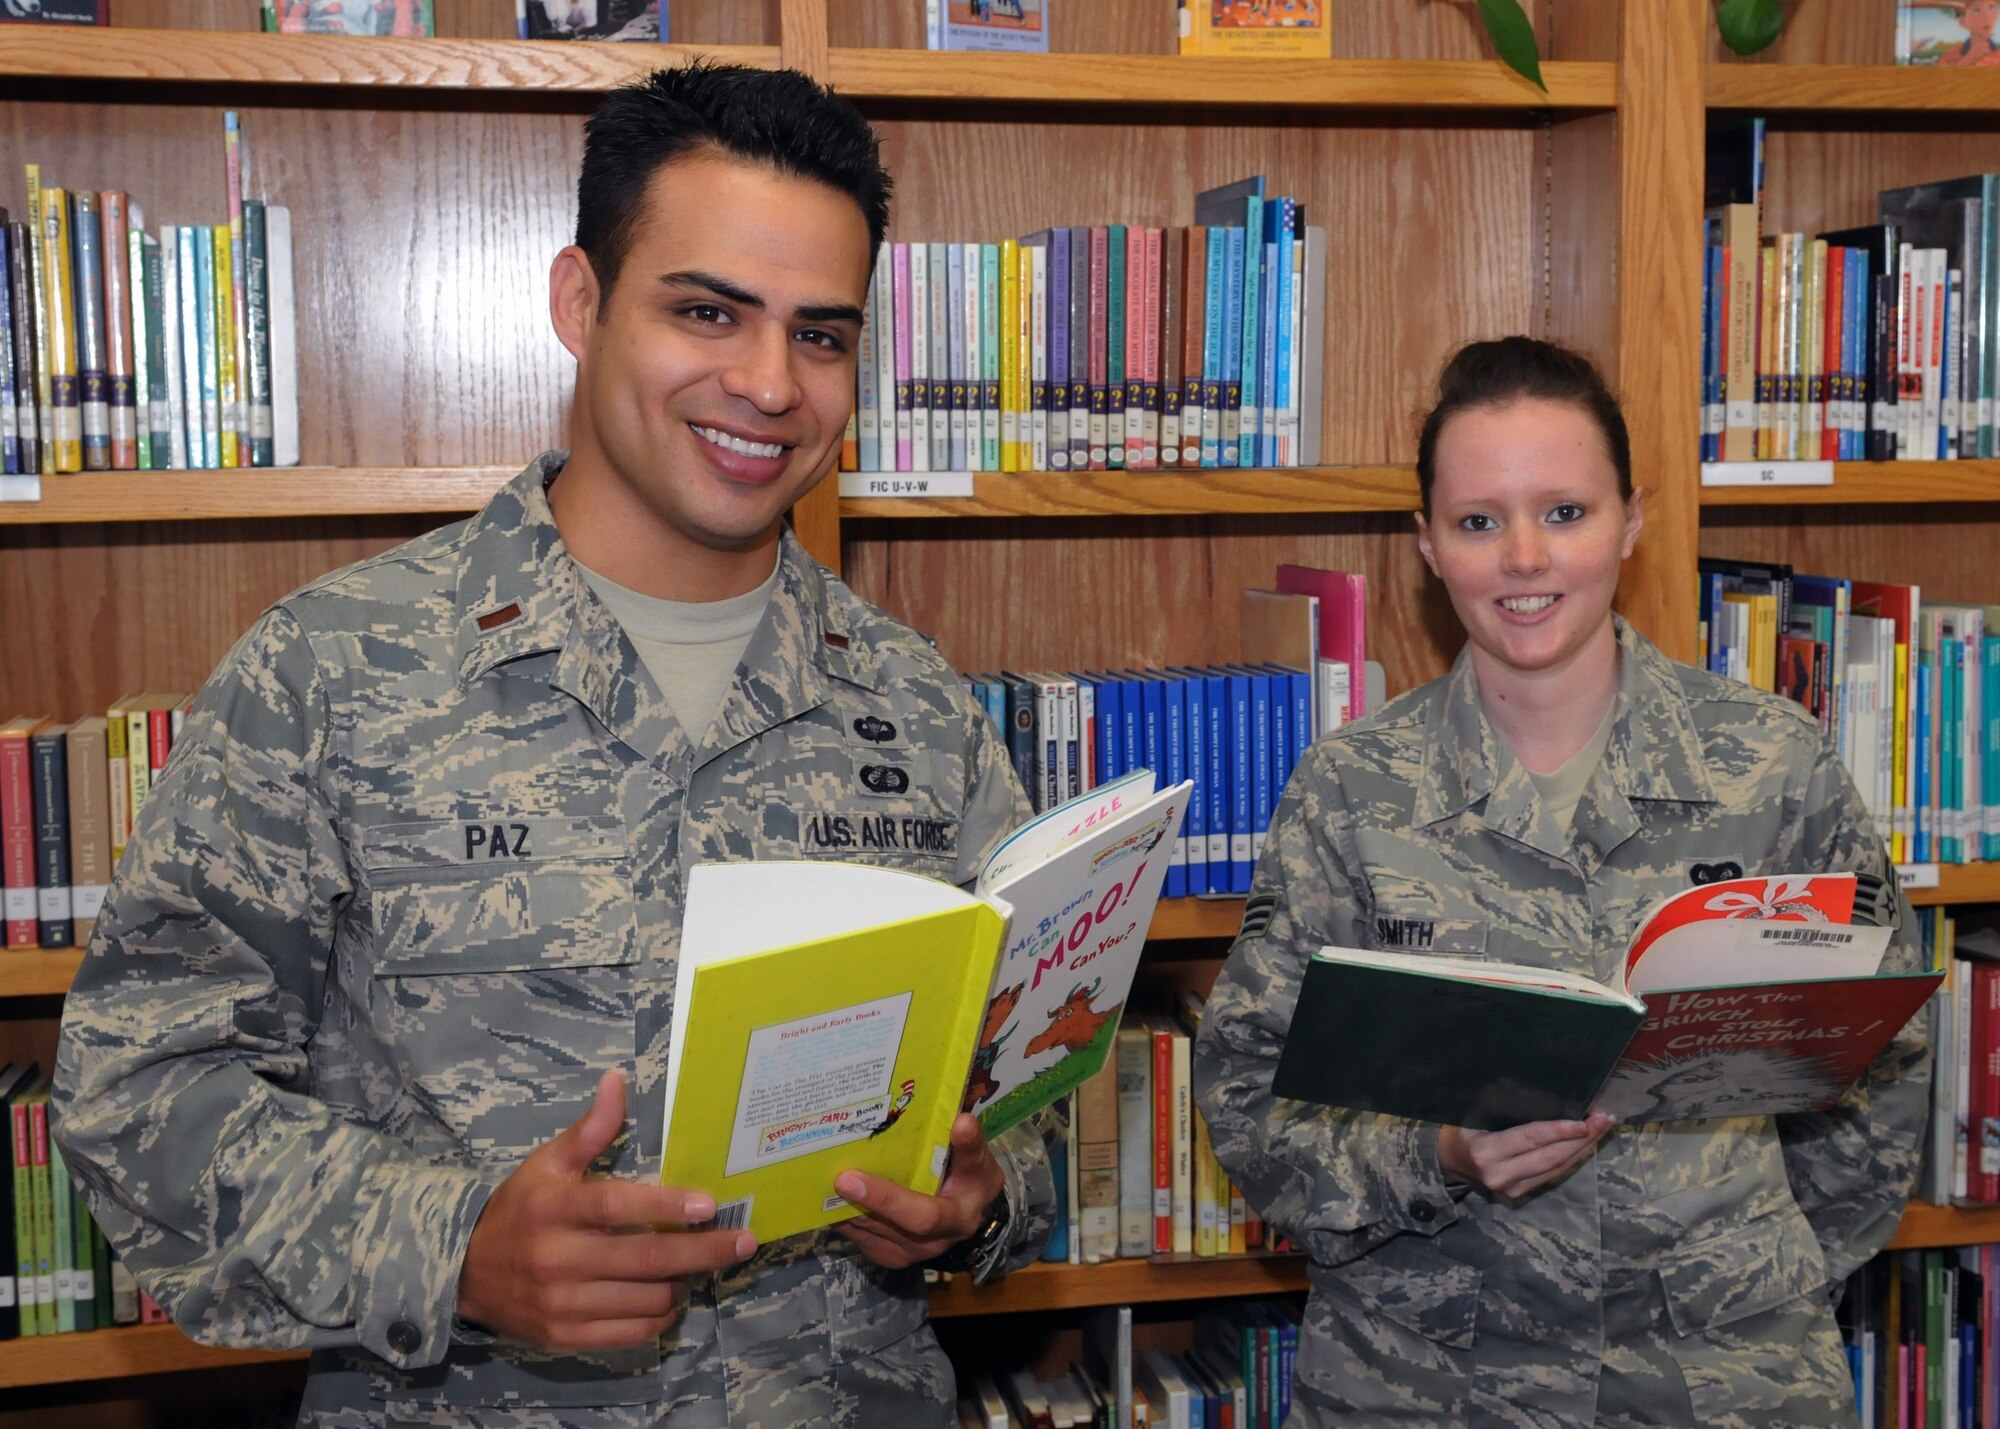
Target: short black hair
x,y
1508,370
776,117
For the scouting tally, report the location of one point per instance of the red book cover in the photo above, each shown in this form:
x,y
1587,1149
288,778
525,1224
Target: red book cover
x,y
1132,420
1984,1173
1149,409
159,739
1163,1139
1833,382
17,834
1343,622
1100,350
1194,308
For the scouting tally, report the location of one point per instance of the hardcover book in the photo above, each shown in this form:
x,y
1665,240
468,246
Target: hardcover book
x,y
1010,25
1298,29
1748,997
350,17
590,20
834,1016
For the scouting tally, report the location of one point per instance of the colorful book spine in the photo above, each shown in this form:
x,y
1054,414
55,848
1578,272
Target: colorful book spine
x,y
1079,350
1059,349
169,397
1035,253
940,356
208,335
10,437
954,353
992,355
1097,354
116,316
194,408
1110,377
885,361
1013,317
1149,351
20,279
58,288
1256,275
1173,278
900,309
920,357
228,394
46,1312
48,773
139,299
233,165
92,364
1233,331
1285,320
867,451
256,289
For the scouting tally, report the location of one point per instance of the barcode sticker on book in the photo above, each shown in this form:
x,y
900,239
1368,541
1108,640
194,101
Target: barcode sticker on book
x,y
733,1215
1810,937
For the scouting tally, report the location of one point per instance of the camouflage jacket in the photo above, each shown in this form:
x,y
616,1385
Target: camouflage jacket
x,y
411,882
1436,1305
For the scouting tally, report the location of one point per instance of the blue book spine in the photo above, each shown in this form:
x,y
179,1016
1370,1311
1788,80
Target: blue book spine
x,y
1110,728
1211,347
1131,722
1711,287
1921,843
1021,730
954,344
1711,602
993,699
1284,439
10,440
1302,729
1241,777
1195,821
1152,725
1860,285
190,354
989,356
1173,747
1256,292
1262,762
211,379
1232,349
1281,746
1059,241
1215,789
1057,1250
1989,766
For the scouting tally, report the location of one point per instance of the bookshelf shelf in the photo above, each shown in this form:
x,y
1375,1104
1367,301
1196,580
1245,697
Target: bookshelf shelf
x,y
116,496
117,1353
1778,89
1142,79
1961,883
1175,918
1860,483
31,972
1208,492
235,57
1925,1225
1121,1282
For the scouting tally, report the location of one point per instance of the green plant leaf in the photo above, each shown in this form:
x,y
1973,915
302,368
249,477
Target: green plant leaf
x,y
1513,39
1748,26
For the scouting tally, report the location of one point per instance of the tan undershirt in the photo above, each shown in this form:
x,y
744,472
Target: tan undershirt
x,y
690,648
1562,787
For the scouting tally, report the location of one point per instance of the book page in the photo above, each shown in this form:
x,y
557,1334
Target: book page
x,y
817,1081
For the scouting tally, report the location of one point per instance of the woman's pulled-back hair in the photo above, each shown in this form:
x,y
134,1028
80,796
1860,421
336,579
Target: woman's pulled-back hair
x,y
1507,370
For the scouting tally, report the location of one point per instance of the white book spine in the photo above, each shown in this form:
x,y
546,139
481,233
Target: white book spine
x,y
920,356
1183,1148
284,339
867,398
1038,344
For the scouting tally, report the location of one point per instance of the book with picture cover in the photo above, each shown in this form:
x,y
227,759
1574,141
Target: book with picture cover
x,y
1952,34
350,17
643,20
1011,25
834,1016
1746,997
55,12
1298,29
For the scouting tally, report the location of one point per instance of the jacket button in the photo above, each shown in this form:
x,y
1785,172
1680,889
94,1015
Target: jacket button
x,y
405,1338
1422,1212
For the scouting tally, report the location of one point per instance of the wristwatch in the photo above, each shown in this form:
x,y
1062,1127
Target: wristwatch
x,y
975,1249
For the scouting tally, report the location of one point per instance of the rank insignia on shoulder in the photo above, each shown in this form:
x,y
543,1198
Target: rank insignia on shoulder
x,y
1257,914
834,639
494,619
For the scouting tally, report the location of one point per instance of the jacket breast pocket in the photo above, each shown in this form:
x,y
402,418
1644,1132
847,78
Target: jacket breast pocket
x,y
503,986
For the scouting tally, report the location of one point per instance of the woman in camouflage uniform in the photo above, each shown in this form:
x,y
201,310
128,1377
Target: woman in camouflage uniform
x,y
1529,807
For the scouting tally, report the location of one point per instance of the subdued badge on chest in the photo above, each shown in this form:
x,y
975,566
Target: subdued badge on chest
x,y
1393,931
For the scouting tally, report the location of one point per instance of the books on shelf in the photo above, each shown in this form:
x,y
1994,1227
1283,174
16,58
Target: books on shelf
x,y
1014,26
351,17
830,1016
1747,997
623,20
123,348
55,12
1295,29
1946,33
1112,347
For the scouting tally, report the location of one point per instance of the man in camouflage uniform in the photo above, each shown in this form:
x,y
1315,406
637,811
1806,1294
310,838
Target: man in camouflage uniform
x,y
413,880
1684,1273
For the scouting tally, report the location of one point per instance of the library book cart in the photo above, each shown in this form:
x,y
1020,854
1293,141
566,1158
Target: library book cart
x,y
430,182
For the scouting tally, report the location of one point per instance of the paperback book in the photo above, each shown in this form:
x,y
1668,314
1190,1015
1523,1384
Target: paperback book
x,y
55,12
834,1016
641,20
1299,29
350,17
1009,25
1747,997
1949,33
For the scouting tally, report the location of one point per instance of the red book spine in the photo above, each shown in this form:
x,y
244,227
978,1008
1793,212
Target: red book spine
x,y
17,843
1163,1141
1100,347
1984,1113
1149,407
159,739
1832,384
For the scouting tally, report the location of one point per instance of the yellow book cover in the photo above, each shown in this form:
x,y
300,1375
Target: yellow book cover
x,y
138,760
1204,1189
1239,1218
1024,359
119,777
1767,349
1010,352
824,1018
1293,29
225,348
842,1015
1900,843
45,412
59,296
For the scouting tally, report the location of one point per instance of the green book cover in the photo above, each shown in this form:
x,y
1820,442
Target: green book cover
x,y
257,258
20,1140
14,1078
62,1239
136,294
44,1223
83,1267
1397,1038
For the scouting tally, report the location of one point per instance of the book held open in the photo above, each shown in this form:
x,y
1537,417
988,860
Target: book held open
x,y
834,1016
1750,997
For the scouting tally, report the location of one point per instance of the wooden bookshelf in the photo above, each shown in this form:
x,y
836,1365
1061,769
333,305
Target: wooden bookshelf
x,y
117,1353
1868,483
1925,1225
113,497
1846,89
33,972
245,57
1223,491
1120,1282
